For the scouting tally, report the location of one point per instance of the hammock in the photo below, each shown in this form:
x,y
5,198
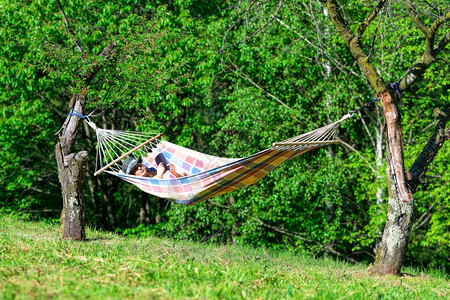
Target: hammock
x,y
205,176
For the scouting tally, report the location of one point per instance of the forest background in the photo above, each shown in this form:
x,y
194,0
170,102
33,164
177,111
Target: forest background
x,y
227,79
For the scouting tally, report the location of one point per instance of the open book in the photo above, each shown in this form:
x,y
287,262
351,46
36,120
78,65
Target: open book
x,y
160,158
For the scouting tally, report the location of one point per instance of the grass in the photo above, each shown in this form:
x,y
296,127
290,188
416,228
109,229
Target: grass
x,y
36,263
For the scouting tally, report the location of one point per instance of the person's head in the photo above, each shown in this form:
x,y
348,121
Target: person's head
x,y
129,165
134,166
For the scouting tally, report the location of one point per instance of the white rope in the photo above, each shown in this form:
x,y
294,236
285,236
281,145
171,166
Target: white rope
x,y
112,144
317,137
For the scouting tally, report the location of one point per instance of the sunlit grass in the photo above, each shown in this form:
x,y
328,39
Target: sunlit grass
x,y
36,263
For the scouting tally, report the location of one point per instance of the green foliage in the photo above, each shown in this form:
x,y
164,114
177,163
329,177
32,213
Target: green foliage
x,y
27,123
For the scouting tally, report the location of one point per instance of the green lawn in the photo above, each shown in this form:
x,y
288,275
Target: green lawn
x,y
36,263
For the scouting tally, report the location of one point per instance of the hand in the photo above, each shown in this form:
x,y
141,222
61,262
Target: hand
x,y
160,170
173,170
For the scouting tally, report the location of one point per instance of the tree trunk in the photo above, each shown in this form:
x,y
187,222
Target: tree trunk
x,y
392,249
393,246
159,209
379,154
145,211
71,170
109,210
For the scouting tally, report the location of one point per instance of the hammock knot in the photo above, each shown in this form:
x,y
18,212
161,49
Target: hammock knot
x,y
76,113
394,86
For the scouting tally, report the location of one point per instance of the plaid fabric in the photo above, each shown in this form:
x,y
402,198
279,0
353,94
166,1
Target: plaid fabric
x,y
207,175
187,161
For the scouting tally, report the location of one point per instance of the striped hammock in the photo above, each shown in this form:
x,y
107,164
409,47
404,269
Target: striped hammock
x,y
204,176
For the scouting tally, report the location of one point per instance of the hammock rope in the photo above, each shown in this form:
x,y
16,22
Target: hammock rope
x,y
205,176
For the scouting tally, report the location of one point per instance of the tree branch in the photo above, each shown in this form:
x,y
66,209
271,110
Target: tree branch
x,y
430,53
330,249
439,21
77,102
441,45
340,24
353,42
338,63
357,152
69,29
370,18
417,20
224,39
265,25
284,231
106,53
431,149
244,76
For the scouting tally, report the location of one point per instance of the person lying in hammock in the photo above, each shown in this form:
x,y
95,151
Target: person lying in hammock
x,y
134,166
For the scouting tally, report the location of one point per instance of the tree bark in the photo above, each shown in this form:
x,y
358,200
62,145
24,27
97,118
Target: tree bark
x,y
159,209
402,185
392,249
71,170
394,136
430,150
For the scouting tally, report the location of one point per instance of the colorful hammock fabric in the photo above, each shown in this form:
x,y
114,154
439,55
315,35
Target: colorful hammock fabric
x,y
205,176
208,176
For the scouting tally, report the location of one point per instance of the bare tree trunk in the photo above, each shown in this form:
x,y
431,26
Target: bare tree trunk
x,y
392,249
379,163
379,155
71,166
144,211
109,211
394,244
71,170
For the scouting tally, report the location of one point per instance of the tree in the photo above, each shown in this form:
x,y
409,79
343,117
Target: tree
x,y
149,64
364,38
71,166
401,184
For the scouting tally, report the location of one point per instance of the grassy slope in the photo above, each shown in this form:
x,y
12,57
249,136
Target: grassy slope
x,y
35,262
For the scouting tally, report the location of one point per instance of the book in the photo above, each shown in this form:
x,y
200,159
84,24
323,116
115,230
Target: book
x,y
160,158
